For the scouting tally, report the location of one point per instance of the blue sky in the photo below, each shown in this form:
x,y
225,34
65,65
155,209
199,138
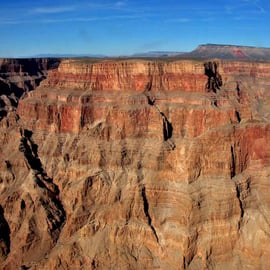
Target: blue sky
x,y
121,27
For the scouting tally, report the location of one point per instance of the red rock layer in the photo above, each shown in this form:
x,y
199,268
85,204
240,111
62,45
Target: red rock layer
x,y
74,103
128,75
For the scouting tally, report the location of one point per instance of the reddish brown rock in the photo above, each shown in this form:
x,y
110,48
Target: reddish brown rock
x,y
134,165
127,75
18,76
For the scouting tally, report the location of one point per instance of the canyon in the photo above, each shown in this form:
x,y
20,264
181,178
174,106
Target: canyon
x,y
18,76
134,164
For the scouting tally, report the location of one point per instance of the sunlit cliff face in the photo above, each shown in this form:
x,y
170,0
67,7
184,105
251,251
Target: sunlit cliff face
x,y
137,164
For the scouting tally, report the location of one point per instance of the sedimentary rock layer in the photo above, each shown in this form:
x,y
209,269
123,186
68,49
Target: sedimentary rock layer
x,y
18,76
131,164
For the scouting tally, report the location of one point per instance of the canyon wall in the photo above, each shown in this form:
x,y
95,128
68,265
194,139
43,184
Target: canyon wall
x,y
18,76
137,164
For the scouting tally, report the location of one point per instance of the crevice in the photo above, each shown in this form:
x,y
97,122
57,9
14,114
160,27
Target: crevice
x,y
185,265
233,166
10,169
54,209
93,264
4,235
214,81
214,102
238,91
29,149
151,101
146,212
167,126
238,194
237,114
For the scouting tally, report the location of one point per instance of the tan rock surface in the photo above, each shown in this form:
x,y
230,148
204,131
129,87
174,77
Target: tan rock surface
x,y
134,165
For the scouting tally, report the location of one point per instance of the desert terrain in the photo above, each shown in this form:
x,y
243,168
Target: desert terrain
x,y
136,163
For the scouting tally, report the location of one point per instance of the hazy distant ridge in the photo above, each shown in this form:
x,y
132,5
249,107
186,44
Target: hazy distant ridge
x,y
222,51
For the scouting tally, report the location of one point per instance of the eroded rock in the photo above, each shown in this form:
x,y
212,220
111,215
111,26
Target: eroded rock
x,y
127,165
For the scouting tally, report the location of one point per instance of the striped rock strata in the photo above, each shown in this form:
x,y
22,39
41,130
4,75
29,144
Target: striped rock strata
x,y
135,164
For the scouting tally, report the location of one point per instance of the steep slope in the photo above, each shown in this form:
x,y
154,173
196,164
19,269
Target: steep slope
x,y
131,164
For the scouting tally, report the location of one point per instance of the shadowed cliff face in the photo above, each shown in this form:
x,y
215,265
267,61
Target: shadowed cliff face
x,y
214,81
139,165
4,236
19,76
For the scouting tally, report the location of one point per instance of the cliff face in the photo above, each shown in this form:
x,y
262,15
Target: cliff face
x,y
128,75
18,76
139,165
77,94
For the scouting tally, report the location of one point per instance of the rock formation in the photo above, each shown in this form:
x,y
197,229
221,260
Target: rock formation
x,y
229,52
214,78
133,164
18,76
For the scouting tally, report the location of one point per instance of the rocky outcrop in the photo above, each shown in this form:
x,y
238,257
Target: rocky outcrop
x,y
18,76
135,165
34,214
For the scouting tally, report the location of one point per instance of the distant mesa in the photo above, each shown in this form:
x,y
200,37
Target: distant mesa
x,y
158,54
68,55
230,52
